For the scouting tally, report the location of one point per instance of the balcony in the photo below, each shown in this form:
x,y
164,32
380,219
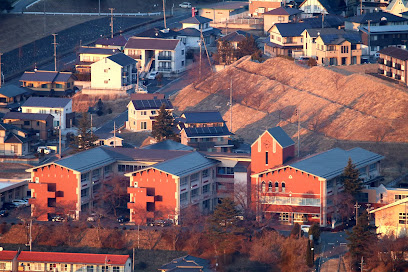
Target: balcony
x,y
136,56
164,69
161,57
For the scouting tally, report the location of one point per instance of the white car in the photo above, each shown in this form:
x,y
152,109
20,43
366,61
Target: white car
x,y
19,202
185,5
152,75
305,228
43,149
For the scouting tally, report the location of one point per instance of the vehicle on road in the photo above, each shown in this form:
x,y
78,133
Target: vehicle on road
x,y
43,149
57,218
123,219
160,223
93,217
305,228
20,202
152,75
185,5
3,213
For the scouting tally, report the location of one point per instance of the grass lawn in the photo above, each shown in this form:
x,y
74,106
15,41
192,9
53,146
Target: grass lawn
x,y
18,30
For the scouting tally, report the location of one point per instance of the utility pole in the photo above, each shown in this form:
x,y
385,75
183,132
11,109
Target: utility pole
x,y
369,40
114,134
1,72
59,147
298,134
99,10
361,7
199,68
133,260
356,206
111,23
55,51
231,105
362,264
31,237
164,13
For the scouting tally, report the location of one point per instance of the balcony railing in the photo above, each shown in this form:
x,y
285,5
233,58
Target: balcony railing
x,y
161,57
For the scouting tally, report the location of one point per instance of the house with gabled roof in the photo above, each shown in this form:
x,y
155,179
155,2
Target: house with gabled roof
x,y
312,8
392,63
302,190
116,72
220,12
14,141
117,42
195,27
235,37
280,15
36,124
257,8
12,96
48,83
163,55
397,7
374,19
59,108
142,113
187,263
90,54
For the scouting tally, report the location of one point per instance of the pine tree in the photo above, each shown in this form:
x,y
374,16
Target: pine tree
x,y
247,46
361,239
224,215
351,180
85,139
163,125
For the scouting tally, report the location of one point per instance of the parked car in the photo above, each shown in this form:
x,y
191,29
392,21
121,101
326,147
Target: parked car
x,y
305,228
123,219
43,149
160,223
20,202
3,213
185,5
93,217
57,218
152,75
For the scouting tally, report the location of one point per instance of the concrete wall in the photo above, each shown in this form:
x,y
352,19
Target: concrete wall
x,y
106,74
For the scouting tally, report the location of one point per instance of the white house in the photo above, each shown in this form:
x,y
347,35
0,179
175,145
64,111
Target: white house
x,y
59,108
311,8
163,55
114,72
193,27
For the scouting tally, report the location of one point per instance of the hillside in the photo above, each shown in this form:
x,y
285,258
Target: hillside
x,y
335,110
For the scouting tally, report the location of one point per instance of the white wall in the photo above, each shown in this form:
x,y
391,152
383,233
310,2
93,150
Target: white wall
x,y
106,74
46,110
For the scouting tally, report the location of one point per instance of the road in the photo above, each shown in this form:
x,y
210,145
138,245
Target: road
x,y
333,246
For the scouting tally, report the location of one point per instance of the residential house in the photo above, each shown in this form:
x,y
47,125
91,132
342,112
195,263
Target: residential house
x,y
280,15
8,260
303,190
397,7
393,64
12,189
163,55
58,261
142,113
205,131
159,33
370,6
339,49
285,39
49,83
312,8
13,141
258,7
379,37
168,145
59,108
108,139
12,96
114,72
222,11
88,55
187,263
373,19
309,38
146,96
34,123
235,37
195,27
117,42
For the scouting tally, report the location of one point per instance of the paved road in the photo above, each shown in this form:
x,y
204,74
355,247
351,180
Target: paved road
x,y
333,246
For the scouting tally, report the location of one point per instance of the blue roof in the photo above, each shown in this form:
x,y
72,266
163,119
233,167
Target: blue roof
x,y
281,137
202,117
185,165
169,145
196,20
207,131
12,90
291,29
331,163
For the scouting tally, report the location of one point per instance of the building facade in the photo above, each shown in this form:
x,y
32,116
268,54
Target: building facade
x,y
48,83
392,63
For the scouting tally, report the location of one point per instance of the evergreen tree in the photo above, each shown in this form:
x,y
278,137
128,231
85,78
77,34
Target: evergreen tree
x,y
295,231
361,239
315,231
224,216
85,139
351,180
163,125
247,46
225,52
309,254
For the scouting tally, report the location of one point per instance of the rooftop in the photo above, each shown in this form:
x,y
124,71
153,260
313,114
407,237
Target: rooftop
x,y
46,102
291,29
194,117
46,76
283,11
169,145
152,43
207,131
26,116
193,32
115,41
151,104
12,90
331,163
227,5
237,36
122,59
281,137
395,52
7,255
97,50
196,20
386,28
376,17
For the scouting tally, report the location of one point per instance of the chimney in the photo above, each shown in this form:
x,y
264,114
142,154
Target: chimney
x,y
193,11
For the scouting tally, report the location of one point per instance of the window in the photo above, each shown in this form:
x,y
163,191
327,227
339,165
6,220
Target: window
x,y
43,111
194,177
143,113
85,192
182,63
263,187
183,196
107,169
52,266
225,170
206,188
270,187
153,112
284,217
205,173
58,86
182,52
106,81
2,266
283,187
261,10
194,192
184,181
344,49
373,167
143,125
84,177
398,197
402,220
115,269
280,18
276,186
89,268
26,123
105,268
44,86
95,174
266,158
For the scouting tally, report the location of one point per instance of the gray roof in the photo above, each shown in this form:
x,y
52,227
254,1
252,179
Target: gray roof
x,y
12,90
351,36
122,59
395,52
237,36
152,43
185,165
196,20
330,20
386,28
27,116
193,32
46,102
331,163
227,5
281,137
291,29
283,11
376,17
202,117
97,50
314,32
207,131
115,41
46,76
169,145
158,33
151,104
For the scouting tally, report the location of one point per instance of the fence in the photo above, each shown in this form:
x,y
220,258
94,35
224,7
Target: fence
x,y
88,13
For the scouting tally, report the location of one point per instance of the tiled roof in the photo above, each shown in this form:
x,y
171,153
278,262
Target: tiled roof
x,y
237,36
283,11
115,41
291,29
122,59
351,36
152,43
281,137
314,32
79,258
227,5
169,145
136,154
146,96
330,20
331,163
151,104
207,131
194,117
97,50
196,20
7,255
46,102
158,33
12,90
187,262
26,116
46,76
395,52
385,29
193,32
15,139
376,17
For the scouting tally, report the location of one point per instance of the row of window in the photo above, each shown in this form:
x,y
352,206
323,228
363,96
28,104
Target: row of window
x,y
126,168
96,174
196,192
270,187
403,219
195,177
298,201
65,267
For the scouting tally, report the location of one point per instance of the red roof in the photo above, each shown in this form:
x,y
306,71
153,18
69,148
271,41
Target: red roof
x,y
7,255
80,258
